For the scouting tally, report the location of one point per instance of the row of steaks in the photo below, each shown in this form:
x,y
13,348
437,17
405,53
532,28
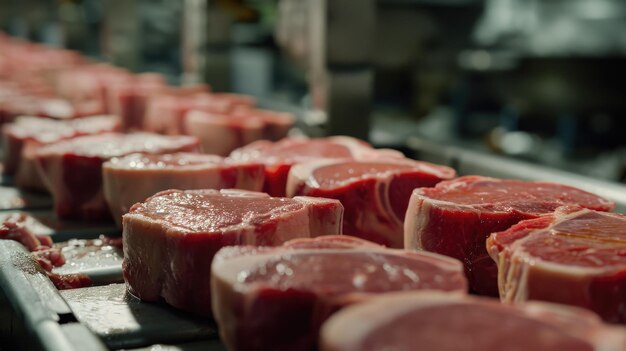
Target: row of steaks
x,y
256,244
61,84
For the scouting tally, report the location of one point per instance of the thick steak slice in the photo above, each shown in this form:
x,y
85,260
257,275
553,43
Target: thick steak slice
x,y
276,124
166,112
454,322
576,256
24,136
72,168
277,298
128,99
133,178
455,218
45,130
171,238
278,157
220,134
375,194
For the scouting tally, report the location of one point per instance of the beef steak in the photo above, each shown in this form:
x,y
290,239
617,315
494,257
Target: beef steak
x,y
31,132
171,238
276,124
72,168
276,298
278,157
128,99
455,218
454,322
133,178
575,256
375,194
220,134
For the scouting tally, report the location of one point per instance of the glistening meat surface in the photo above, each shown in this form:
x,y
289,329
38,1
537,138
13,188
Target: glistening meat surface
x,y
187,228
277,298
375,193
576,256
455,218
456,322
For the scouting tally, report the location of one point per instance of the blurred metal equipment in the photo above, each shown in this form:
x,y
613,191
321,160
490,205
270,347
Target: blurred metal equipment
x,y
333,39
341,74
122,33
6,14
467,162
206,34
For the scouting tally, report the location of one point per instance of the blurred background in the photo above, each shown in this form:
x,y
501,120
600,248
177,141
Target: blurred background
x,y
538,80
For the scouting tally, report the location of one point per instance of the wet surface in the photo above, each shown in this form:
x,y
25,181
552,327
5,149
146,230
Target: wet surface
x,y
211,345
14,199
44,222
123,321
95,258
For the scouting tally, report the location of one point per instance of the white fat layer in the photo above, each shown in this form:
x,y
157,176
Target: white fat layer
x,y
415,222
302,173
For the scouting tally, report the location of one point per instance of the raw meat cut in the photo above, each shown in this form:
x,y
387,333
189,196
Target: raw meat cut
x,y
277,298
133,178
22,138
236,99
222,133
425,320
165,110
72,169
375,194
277,124
87,86
456,217
575,256
278,157
128,99
166,113
171,238
25,229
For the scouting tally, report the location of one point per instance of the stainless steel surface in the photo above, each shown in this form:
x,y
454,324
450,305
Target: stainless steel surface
x,y
32,311
14,199
101,262
81,337
121,320
44,222
26,285
210,345
470,162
